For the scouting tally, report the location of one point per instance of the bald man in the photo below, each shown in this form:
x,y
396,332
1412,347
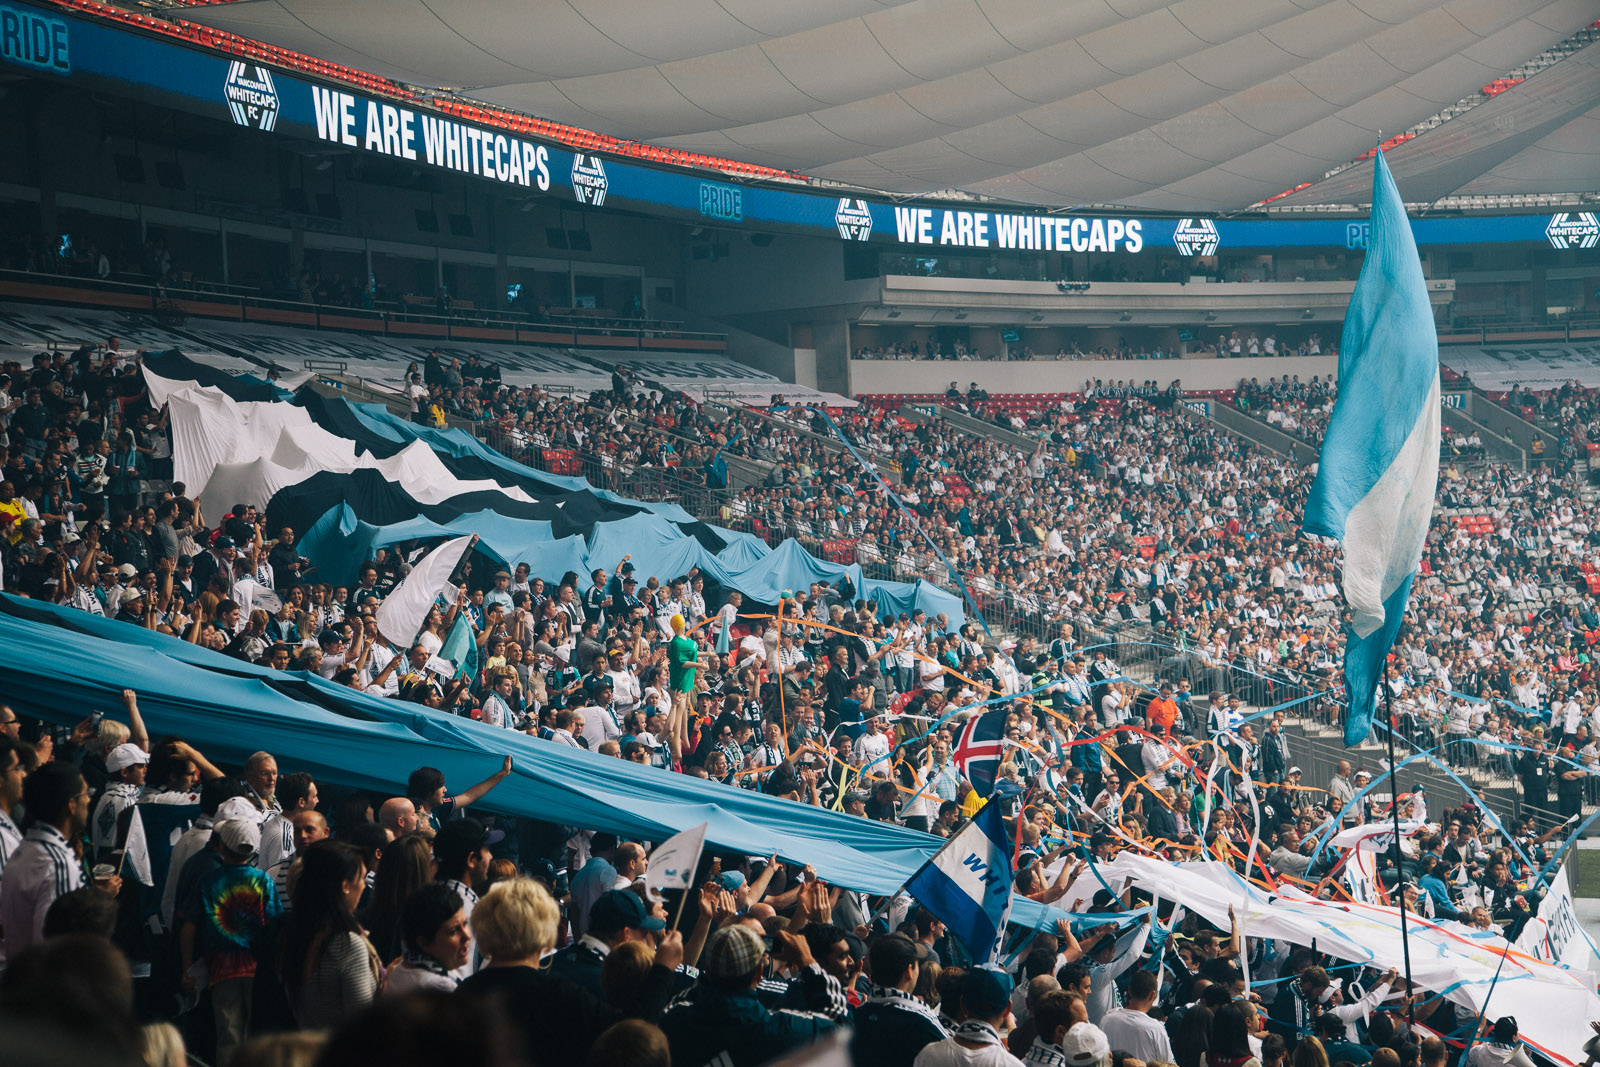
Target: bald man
x,y
398,816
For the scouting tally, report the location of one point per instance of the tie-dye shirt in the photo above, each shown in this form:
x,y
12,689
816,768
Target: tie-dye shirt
x,y
234,905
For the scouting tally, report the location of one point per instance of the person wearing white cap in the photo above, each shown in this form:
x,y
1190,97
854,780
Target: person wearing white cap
x,y
218,801
126,764
1084,1045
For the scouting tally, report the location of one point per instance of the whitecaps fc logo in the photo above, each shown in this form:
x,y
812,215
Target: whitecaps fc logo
x,y
589,181
1573,230
252,98
854,220
1196,237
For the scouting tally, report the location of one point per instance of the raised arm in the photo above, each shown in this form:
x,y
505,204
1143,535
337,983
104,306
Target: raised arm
x,y
136,730
476,793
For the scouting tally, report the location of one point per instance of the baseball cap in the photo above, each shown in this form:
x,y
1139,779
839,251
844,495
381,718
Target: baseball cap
x,y
620,909
1085,1045
731,880
986,992
126,755
733,952
128,596
1295,770
224,542
239,835
236,808
127,570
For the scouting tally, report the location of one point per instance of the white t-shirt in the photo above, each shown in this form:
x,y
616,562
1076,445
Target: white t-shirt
x,y
948,1053
1136,1033
871,747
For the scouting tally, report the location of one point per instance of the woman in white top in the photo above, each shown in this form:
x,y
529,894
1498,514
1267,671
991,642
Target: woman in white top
x,y
437,941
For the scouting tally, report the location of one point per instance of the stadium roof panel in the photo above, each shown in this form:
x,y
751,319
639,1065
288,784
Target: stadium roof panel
x,y
1199,104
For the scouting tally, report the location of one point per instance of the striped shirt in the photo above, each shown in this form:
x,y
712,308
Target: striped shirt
x,y
43,869
10,839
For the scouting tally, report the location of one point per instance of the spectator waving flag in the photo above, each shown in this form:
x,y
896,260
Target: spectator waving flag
x,y
1380,459
980,748
403,612
967,883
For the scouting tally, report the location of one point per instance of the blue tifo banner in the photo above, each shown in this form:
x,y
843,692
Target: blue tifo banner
x,y
229,709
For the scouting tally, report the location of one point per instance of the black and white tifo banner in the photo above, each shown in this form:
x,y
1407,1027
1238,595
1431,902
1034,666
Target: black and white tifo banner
x,y
252,348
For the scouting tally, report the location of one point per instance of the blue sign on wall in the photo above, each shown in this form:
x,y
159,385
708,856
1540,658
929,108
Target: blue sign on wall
x,y
113,58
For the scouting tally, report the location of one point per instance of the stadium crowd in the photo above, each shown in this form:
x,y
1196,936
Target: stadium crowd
x,y
297,907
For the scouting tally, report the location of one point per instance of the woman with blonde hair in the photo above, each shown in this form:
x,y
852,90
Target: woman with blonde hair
x,y
515,926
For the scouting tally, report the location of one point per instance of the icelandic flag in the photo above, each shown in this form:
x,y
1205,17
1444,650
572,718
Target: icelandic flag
x,y
967,883
980,749
1379,468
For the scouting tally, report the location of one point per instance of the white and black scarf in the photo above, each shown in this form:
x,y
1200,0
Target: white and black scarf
x,y
977,1032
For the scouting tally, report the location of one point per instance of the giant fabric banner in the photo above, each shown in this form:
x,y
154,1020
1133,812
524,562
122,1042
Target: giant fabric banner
x,y
1556,936
391,482
1553,1006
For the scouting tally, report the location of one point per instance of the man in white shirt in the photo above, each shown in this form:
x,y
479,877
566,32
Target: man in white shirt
x,y
1131,1029
600,720
872,747
624,683
12,775
126,763
975,1041
44,867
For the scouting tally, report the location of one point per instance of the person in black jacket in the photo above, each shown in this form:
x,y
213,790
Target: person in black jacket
x,y
616,916
721,1021
515,924
893,1026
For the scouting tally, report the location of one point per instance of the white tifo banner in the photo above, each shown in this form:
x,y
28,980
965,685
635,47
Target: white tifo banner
x,y
1554,935
1553,1005
1530,365
1361,877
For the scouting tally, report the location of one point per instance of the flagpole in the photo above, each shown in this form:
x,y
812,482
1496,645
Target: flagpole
x,y
1394,810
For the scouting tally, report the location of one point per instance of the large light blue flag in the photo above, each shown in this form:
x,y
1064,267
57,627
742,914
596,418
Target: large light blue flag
x,y
967,883
1380,459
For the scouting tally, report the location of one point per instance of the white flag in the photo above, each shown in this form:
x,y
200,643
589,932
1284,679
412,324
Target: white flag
x,y
403,612
1372,837
672,864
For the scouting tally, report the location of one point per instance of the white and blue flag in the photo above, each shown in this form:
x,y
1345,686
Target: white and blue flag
x,y
967,883
1379,468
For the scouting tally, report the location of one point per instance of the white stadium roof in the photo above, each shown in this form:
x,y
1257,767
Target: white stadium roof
x,y
1196,105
